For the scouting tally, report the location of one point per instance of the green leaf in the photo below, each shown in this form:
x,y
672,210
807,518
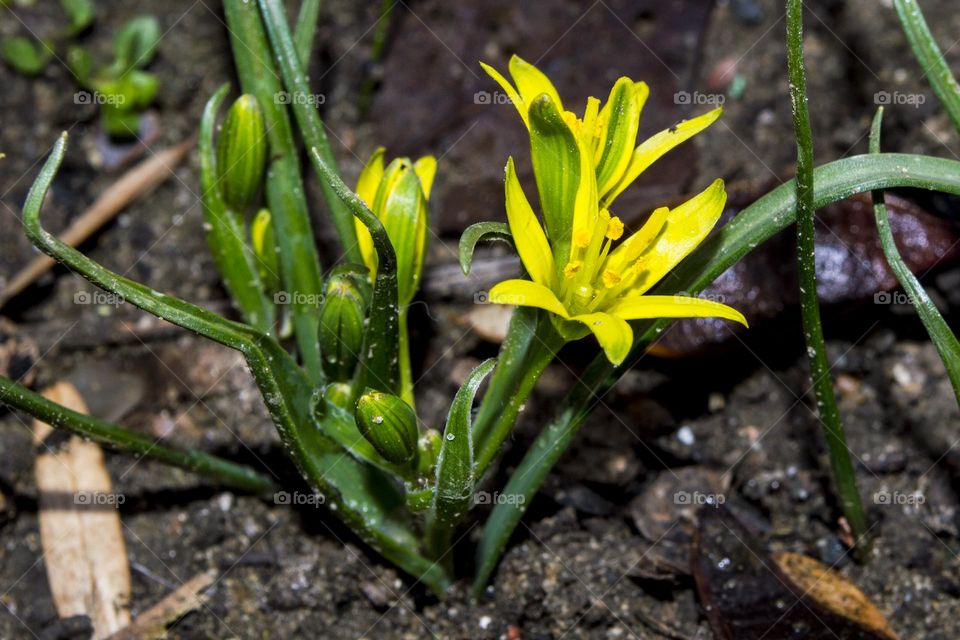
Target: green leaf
x,y
80,14
305,30
27,56
930,57
204,464
380,356
119,122
943,338
136,43
308,120
455,481
481,232
226,235
556,166
81,63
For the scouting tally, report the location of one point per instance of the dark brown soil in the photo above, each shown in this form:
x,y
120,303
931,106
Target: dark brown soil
x,y
597,555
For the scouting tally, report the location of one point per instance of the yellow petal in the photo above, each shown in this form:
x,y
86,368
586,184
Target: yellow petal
x,y
509,90
619,121
644,307
426,169
527,233
370,177
614,334
531,82
523,293
653,148
686,227
628,250
367,185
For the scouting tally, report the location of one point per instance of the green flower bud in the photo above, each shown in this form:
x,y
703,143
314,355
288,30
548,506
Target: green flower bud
x,y
389,424
343,322
265,250
242,153
398,196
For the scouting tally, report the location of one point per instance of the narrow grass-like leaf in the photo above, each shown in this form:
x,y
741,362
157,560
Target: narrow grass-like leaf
x,y
308,120
930,57
226,233
300,269
844,474
753,226
455,481
210,466
305,30
943,338
481,232
379,361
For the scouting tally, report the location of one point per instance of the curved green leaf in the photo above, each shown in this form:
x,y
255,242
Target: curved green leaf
x,y
481,232
943,338
455,481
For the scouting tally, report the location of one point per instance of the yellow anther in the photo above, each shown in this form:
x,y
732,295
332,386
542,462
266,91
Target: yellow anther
x,y
611,279
581,239
572,121
614,228
572,268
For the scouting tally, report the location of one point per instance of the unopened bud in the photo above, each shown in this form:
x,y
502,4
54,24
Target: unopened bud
x,y
389,424
242,153
343,323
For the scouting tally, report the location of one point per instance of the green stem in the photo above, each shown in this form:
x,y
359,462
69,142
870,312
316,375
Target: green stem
x,y
406,371
750,228
843,470
308,120
931,59
299,263
531,345
217,469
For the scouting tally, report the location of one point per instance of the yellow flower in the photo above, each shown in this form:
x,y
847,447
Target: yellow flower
x,y
580,166
398,196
